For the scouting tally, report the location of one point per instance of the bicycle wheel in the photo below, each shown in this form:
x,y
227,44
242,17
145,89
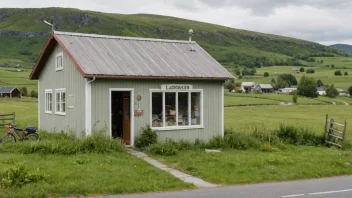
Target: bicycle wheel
x,y
8,138
32,137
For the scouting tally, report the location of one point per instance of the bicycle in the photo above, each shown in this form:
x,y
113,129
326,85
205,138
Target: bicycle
x,y
28,133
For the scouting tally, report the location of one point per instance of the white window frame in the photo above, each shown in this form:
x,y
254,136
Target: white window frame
x,y
189,126
57,66
47,102
59,111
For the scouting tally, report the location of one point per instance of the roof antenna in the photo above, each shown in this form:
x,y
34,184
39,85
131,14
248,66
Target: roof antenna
x,y
52,26
190,32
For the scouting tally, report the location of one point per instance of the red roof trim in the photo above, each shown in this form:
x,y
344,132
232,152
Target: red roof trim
x,y
46,52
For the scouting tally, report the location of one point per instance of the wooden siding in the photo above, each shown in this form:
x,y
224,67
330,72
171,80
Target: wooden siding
x,y
70,79
212,107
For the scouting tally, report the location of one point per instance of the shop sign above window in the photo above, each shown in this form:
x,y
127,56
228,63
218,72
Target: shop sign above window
x,y
176,87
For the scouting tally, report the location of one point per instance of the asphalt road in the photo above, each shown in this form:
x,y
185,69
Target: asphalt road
x,y
336,187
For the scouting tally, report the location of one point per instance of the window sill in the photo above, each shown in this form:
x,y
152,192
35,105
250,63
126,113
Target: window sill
x,y
48,112
175,128
61,114
59,69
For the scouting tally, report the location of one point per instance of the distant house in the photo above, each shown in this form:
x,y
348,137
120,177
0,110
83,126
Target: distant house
x,y
294,70
266,88
118,85
342,92
321,91
11,92
247,87
287,90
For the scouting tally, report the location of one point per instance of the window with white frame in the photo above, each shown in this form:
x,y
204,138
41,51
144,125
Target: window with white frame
x,y
176,109
60,101
48,101
59,62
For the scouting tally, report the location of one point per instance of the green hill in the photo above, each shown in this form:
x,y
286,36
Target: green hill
x,y
343,47
23,34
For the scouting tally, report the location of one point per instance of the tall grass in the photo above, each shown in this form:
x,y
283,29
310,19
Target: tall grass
x,y
66,144
260,139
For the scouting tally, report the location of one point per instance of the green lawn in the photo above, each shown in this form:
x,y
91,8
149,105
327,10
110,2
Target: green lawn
x,y
88,174
253,166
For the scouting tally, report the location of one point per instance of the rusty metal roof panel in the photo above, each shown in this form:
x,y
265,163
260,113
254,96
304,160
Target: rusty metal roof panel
x,y
129,56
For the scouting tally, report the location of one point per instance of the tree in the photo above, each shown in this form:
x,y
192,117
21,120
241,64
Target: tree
x,y
350,91
332,66
266,74
253,72
33,94
24,91
286,80
331,91
346,74
307,87
273,81
237,71
294,98
338,73
301,69
320,83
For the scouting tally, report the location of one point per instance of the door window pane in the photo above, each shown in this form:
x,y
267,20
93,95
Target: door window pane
x,y
195,108
170,109
182,109
157,109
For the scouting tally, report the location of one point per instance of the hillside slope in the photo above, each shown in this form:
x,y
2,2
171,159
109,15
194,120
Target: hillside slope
x,y
343,47
23,34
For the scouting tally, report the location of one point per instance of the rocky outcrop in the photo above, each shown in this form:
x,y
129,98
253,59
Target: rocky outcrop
x,y
23,34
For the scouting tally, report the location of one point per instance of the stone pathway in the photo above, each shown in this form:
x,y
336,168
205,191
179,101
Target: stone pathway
x,y
182,176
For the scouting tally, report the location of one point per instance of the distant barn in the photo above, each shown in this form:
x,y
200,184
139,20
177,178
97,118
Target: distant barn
x,y
11,92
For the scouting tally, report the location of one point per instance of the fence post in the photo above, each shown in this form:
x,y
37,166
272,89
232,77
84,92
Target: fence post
x,y
343,134
14,118
326,126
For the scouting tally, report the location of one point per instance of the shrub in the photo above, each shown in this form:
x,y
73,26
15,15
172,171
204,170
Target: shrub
x,y
19,176
266,74
298,136
167,148
350,91
301,69
320,83
310,71
346,74
331,91
147,138
338,73
33,94
24,91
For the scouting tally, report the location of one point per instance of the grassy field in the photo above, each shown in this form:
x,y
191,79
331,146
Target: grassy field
x,y
88,174
10,77
270,99
325,74
253,166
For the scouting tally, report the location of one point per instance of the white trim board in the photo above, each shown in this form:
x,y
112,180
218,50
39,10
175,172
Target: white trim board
x,y
131,90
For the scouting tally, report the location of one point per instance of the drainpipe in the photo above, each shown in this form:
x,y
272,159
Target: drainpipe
x,y
88,106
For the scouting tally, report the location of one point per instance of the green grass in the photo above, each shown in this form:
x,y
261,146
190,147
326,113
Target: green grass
x,y
258,99
9,77
253,166
312,117
89,174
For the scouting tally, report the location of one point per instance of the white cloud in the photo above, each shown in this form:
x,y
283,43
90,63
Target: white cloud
x,y
323,21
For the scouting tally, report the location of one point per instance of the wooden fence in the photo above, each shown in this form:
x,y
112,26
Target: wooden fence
x,y
6,119
334,136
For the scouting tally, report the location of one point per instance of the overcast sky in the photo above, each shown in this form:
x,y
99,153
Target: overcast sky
x,y
323,21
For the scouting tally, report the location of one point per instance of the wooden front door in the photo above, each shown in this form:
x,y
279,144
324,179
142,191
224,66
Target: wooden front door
x,y
126,118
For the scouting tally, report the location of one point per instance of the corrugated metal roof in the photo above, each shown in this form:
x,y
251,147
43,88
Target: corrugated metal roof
x,y
247,84
6,89
144,57
266,86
